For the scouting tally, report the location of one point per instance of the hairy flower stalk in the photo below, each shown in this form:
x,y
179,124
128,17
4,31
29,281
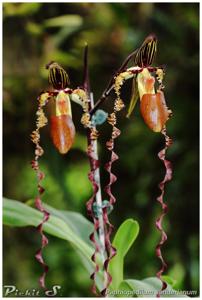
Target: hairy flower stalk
x,y
98,235
95,204
98,209
35,137
98,224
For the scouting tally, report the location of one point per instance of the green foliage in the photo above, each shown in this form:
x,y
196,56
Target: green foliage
x,y
75,229
65,226
123,240
69,226
21,9
147,288
64,21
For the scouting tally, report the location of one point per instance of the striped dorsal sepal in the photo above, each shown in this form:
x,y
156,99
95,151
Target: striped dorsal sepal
x,y
58,77
145,54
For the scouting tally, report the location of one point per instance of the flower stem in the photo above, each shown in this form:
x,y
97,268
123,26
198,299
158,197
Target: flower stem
x,y
98,197
99,224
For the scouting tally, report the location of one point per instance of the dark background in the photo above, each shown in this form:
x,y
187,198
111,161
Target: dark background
x,y
112,31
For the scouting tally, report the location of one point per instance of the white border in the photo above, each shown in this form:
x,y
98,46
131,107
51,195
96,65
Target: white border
x,y
76,1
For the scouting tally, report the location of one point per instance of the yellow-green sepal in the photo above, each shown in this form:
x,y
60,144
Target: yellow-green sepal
x,y
134,97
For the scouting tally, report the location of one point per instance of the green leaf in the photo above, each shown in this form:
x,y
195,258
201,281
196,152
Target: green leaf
x,y
123,240
16,213
21,9
63,33
70,226
171,281
80,142
124,291
34,28
78,223
146,288
65,20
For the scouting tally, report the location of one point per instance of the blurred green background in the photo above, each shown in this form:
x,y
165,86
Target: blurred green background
x,y
36,33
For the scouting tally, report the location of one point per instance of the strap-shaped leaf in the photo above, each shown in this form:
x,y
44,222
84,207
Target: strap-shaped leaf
x,y
123,240
64,225
146,288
